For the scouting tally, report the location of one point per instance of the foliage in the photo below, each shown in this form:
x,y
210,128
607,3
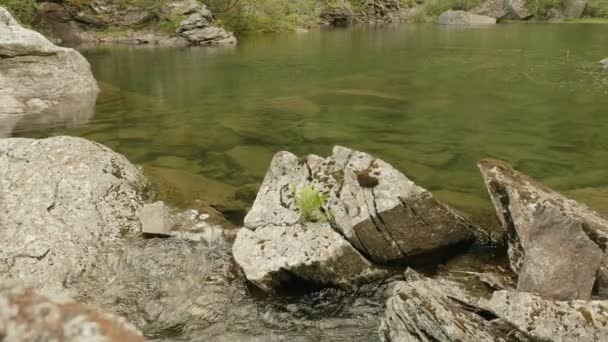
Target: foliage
x,y
597,8
310,202
250,16
540,8
23,10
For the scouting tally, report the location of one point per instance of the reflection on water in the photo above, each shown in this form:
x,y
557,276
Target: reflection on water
x,y
431,101
69,112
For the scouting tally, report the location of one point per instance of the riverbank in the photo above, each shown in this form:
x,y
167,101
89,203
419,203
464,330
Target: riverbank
x,y
160,22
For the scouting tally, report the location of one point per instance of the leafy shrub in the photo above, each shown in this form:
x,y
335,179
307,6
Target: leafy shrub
x,y
310,202
23,10
597,8
540,8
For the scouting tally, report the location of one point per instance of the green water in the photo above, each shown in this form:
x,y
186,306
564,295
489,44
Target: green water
x,y
430,100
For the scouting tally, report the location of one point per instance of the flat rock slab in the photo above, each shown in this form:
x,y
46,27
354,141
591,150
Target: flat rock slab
x,y
464,18
550,237
277,256
26,315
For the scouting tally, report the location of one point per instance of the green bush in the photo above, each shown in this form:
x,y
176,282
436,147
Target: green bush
x,y
540,8
23,10
597,8
310,202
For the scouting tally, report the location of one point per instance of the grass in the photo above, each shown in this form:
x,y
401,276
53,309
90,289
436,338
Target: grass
x,y
310,202
23,10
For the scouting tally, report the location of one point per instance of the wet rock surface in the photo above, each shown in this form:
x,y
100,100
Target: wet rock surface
x,y
604,63
59,210
549,236
39,79
464,18
26,315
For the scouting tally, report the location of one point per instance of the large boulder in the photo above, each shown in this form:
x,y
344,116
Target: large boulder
x,y
198,29
337,13
555,244
464,18
39,78
424,309
574,8
26,315
64,201
360,202
517,9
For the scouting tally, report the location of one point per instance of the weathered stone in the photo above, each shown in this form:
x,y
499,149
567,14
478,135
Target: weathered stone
x,y
464,18
31,68
560,262
64,201
26,315
392,220
517,9
277,256
197,29
424,309
544,320
536,219
156,219
574,8
492,8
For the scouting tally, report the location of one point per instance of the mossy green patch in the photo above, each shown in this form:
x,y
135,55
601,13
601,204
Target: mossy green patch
x,y
310,202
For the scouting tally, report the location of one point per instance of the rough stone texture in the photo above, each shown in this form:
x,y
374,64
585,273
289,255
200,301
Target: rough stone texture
x,y
574,8
34,69
381,12
424,309
560,262
337,13
63,201
527,210
277,256
375,208
26,315
197,29
544,320
378,209
464,18
517,9
156,219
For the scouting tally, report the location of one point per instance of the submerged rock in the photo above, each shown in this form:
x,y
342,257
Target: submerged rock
x,y
604,63
554,243
26,315
39,78
464,18
358,200
424,309
64,201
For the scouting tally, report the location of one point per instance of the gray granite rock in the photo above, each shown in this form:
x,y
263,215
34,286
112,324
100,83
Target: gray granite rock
x,y
156,219
553,241
464,18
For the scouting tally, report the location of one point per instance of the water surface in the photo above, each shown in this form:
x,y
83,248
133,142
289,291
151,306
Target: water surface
x,y
204,122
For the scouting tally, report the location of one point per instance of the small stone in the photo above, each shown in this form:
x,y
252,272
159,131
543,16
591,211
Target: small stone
x,y
156,219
